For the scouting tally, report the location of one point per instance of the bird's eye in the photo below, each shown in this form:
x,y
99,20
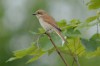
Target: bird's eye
x,y
38,12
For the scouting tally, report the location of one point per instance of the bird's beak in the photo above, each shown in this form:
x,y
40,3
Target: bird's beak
x,y
34,14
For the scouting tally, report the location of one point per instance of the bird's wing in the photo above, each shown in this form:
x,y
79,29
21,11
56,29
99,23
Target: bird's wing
x,y
51,21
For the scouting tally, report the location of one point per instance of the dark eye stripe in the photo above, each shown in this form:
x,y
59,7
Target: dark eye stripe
x,y
39,13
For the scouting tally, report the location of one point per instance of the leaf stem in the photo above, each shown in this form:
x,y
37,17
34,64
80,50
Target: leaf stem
x,y
97,29
38,40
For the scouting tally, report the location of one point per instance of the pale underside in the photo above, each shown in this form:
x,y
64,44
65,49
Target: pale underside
x,y
48,28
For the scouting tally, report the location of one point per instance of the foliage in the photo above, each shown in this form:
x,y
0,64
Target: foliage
x,y
93,4
33,51
78,45
92,43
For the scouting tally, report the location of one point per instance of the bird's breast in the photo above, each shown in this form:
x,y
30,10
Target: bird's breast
x,y
45,25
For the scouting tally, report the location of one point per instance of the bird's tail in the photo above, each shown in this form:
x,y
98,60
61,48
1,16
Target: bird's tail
x,y
61,36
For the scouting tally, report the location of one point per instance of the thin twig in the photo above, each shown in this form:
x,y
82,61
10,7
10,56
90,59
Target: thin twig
x,y
37,41
98,26
57,50
77,61
97,29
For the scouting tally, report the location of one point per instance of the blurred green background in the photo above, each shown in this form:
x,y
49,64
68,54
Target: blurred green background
x,y
16,22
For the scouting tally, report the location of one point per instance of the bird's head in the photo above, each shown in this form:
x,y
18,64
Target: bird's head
x,y
39,13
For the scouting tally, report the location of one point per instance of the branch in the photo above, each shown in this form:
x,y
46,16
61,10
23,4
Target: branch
x,y
57,50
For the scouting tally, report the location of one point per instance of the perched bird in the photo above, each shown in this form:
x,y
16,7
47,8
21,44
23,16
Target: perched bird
x,y
48,23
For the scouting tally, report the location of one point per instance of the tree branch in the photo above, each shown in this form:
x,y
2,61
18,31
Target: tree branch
x,y
57,50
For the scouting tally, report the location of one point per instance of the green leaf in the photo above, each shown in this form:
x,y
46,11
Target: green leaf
x,y
73,33
90,19
31,51
41,30
33,59
75,22
22,53
37,52
89,46
93,4
37,56
93,54
75,46
93,43
51,51
95,39
11,59
62,23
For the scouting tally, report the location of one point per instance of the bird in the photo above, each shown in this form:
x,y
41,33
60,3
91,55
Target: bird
x,y
48,23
